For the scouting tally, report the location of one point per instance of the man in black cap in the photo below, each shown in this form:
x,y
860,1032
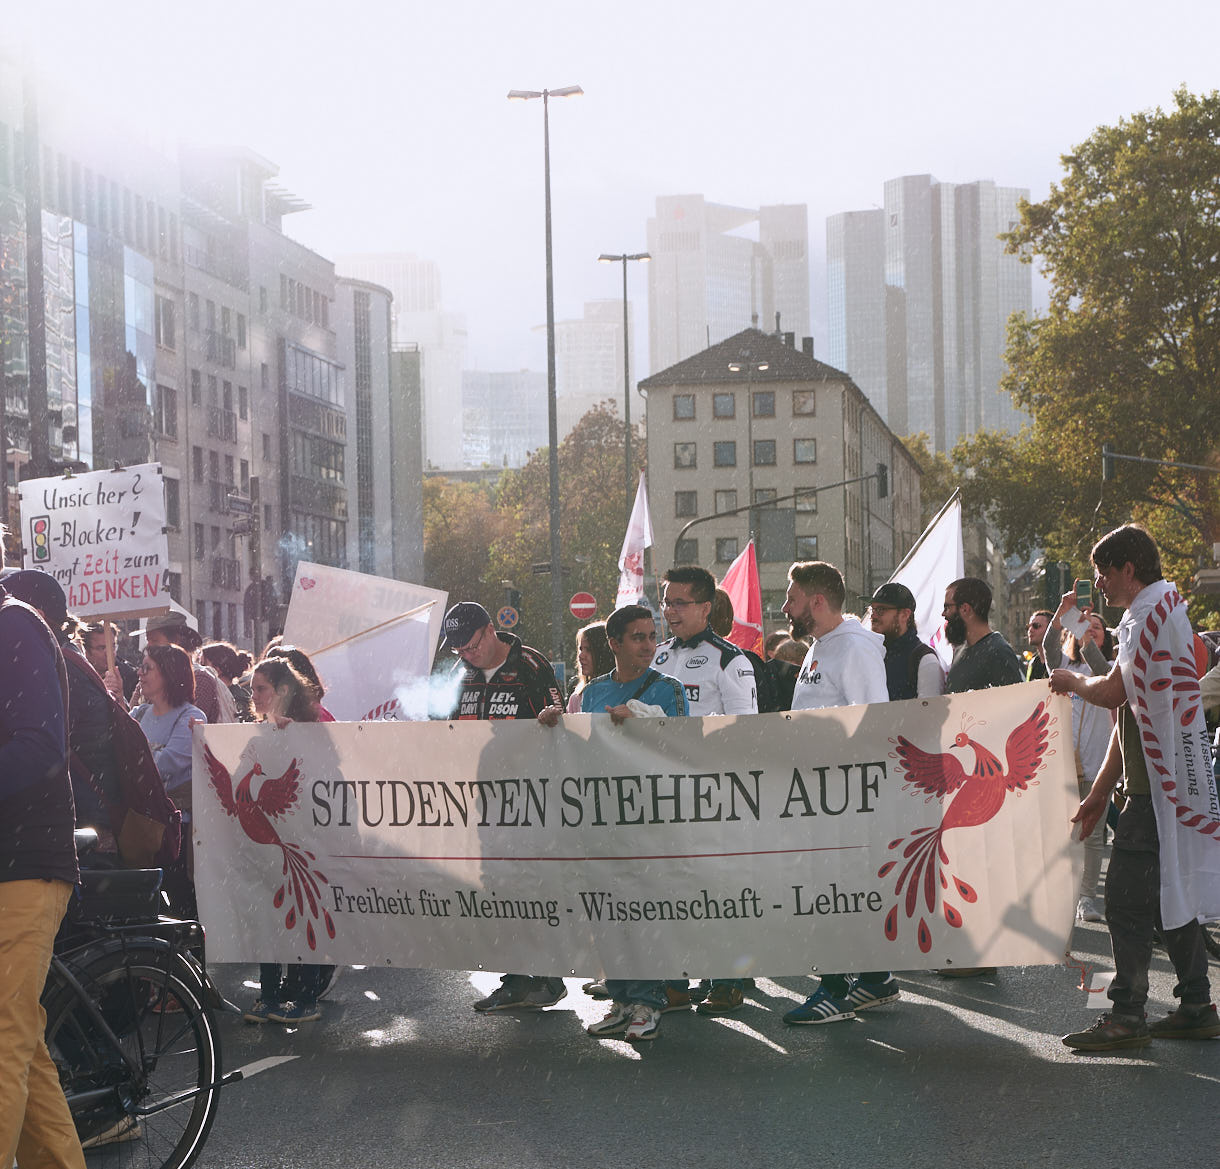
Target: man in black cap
x,y
912,669
502,678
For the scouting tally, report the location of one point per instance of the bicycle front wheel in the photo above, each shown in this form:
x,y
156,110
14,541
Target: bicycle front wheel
x,y
149,1103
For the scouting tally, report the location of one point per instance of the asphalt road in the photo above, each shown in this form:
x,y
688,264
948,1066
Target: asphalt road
x,y
401,1072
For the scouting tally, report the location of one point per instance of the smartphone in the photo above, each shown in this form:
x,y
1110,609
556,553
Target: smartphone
x,y
1084,594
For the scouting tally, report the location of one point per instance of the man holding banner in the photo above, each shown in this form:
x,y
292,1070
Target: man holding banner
x,y
502,678
1165,866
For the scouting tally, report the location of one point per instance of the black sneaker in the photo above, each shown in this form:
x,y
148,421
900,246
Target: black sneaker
x,y
1111,1033
1188,1022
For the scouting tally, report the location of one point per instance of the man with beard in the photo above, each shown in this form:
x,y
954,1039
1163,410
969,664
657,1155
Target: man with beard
x,y
1035,633
986,659
912,669
844,666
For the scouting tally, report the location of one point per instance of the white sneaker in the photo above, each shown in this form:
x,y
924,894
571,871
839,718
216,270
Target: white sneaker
x,y
616,1022
1090,909
645,1023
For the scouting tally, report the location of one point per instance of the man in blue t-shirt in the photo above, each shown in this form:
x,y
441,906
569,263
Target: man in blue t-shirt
x,y
633,689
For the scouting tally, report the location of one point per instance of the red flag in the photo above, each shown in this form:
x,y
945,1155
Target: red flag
x,y
741,583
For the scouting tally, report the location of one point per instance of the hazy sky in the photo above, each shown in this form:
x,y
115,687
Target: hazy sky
x,y
391,118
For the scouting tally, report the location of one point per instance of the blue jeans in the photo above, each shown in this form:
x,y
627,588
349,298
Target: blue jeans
x,y
650,992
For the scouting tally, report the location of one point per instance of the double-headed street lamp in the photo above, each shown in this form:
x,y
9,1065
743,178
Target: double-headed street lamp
x,y
551,408
749,368
623,257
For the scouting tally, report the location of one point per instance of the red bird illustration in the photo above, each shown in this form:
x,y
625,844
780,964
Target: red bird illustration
x,y
980,795
276,798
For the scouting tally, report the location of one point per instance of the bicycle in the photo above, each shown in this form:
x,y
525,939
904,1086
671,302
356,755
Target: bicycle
x,y
129,1025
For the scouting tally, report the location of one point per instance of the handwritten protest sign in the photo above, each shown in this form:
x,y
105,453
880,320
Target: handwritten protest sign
x,y
901,835
102,536
329,605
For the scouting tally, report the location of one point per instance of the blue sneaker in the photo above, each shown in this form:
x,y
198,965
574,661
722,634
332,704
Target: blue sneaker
x,y
295,1013
261,1011
819,1007
871,994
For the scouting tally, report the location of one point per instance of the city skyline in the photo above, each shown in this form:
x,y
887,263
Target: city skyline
x,y
438,163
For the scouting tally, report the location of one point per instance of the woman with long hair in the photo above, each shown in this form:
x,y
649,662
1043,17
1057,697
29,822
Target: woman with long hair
x,y
593,659
230,665
281,696
167,681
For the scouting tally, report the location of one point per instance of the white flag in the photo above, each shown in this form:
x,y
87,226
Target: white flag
x,y
931,566
631,559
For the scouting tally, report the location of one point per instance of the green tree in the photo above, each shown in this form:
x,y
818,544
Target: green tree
x,y
940,478
592,522
1129,350
460,525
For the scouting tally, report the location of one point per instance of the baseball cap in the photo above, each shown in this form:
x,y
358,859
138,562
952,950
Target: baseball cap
x,y
462,622
894,596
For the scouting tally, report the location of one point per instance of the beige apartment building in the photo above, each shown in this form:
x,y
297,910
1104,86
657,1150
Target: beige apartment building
x,y
753,420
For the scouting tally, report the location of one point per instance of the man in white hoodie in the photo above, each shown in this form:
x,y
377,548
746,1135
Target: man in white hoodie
x,y
844,666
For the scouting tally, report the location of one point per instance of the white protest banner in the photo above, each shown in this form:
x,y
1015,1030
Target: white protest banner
x,y
102,536
902,835
381,673
329,605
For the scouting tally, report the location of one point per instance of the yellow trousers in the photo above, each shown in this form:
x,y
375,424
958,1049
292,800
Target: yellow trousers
x,y
35,1124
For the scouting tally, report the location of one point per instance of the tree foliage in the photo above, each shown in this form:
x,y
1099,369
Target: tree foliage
x,y
593,520
1129,350
460,525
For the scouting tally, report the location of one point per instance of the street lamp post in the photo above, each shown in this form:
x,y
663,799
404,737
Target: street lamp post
x,y
551,407
623,257
749,368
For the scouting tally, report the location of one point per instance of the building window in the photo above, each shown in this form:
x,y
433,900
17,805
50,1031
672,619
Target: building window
x,y
192,309
213,390
765,496
686,552
684,455
724,453
197,464
174,580
198,541
267,515
804,450
724,405
266,446
807,501
726,549
243,403
806,547
241,330
764,452
686,503
262,299
164,312
167,411
803,404
173,507
215,537
764,403
245,476
229,468
210,314
684,407
196,387
725,501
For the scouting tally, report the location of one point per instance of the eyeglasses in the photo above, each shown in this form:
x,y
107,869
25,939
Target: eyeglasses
x,y
472,644
676,604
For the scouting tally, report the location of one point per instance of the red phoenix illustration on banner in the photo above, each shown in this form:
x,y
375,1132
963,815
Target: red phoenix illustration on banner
x,y
276,798
977,796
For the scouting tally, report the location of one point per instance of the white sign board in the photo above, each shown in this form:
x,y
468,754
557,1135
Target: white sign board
x,y
329,605
102,536
904,835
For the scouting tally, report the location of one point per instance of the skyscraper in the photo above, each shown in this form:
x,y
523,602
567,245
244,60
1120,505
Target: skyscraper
x,y
716,270
919,299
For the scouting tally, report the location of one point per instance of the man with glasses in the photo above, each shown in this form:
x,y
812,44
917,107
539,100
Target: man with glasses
x,y
718,679
912,669
502,678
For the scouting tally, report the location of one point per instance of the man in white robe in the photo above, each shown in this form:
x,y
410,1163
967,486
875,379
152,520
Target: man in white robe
x,y
1165,865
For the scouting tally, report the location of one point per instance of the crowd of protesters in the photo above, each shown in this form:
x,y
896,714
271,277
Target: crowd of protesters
x,y
57,768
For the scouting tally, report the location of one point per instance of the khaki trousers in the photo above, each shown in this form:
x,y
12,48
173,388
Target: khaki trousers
x,y
35,1124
